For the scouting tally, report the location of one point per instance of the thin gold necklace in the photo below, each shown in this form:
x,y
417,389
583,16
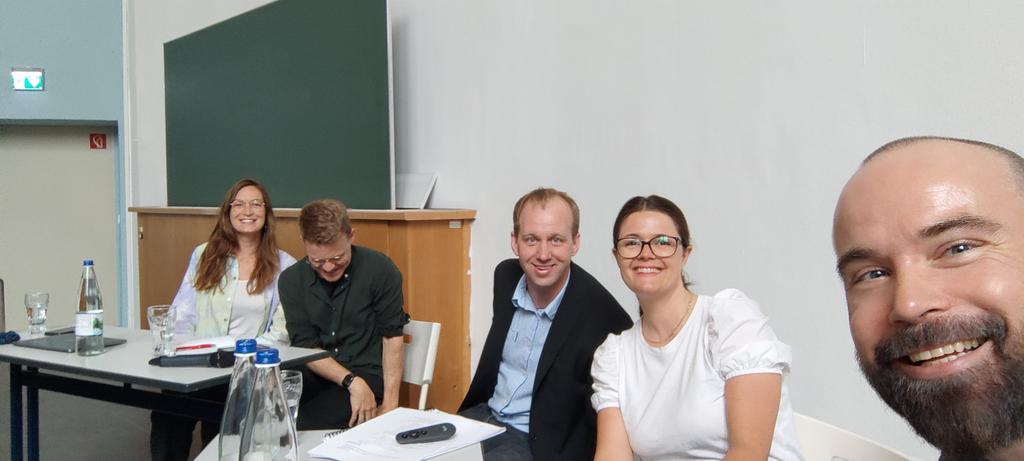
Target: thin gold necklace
x,y
677,328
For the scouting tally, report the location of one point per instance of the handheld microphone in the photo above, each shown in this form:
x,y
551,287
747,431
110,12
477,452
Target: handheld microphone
x,y
223,358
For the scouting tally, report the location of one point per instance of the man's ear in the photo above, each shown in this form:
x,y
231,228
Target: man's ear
x,y
514,243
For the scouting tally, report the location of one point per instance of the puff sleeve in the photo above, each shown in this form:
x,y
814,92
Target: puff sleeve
x,y
740,342
605,372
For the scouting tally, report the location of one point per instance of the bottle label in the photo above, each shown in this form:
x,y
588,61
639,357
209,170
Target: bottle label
x,y
88,324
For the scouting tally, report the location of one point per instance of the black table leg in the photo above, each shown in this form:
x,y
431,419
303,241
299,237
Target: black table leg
x,y
32,401
16,433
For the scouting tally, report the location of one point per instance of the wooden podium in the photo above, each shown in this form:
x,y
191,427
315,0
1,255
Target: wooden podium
x,y
430,247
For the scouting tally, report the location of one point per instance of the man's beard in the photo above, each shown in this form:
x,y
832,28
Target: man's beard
x,y
965,415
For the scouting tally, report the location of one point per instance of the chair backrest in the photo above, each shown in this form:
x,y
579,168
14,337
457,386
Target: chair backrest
x,y
420,355
822,441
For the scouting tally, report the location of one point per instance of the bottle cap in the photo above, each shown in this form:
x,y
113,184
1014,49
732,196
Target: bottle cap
x,y
267,357
87,262
245,346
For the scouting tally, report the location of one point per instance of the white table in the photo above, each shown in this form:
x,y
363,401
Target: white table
x,y
127,366
310,439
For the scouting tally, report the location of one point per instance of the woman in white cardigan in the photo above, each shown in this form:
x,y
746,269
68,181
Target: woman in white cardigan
x,y
230,288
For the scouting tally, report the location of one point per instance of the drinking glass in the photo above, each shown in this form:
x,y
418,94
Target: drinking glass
x,y
291,383
162,318
35,305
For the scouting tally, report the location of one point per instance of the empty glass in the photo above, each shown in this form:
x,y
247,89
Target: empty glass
x,y
291,382
162,318
35,306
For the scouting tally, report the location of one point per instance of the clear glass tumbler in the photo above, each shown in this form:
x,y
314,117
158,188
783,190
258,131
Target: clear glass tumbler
x,y
162,318
291,383
36,303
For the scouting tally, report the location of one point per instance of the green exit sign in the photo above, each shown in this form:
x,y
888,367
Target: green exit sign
x,y
27,79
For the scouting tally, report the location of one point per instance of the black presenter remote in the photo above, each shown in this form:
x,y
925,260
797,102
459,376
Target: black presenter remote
x,y
435,433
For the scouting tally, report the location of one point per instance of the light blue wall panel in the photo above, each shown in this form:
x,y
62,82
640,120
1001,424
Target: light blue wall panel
x,y
78,43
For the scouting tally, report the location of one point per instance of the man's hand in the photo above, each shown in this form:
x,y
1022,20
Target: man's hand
x,y
364,406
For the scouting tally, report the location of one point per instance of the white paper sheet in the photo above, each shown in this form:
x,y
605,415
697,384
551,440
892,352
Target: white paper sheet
x,y
191,346
375,439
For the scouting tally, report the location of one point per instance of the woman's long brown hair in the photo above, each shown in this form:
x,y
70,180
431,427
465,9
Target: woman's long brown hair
x,y
223,242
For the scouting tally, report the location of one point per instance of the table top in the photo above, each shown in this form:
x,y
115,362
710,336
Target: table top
x,y
310,439
129,362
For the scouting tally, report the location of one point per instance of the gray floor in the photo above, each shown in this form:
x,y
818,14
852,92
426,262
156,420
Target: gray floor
x,y
74,428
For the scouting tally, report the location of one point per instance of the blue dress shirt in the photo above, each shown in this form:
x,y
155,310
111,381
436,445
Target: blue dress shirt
x,y
520,355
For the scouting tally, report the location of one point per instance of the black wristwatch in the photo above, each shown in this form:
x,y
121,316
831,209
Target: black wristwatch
x,y
347,380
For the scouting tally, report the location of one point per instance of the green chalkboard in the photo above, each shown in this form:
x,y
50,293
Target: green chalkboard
x,y
294,94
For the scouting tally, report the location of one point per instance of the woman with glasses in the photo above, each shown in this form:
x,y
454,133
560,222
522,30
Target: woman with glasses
x,y
230,288
696,377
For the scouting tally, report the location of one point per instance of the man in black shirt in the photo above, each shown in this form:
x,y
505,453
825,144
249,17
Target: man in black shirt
x,y
347,300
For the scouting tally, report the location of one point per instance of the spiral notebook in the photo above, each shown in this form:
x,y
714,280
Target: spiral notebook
x,y
375,439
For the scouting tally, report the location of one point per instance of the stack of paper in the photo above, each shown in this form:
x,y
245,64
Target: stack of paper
x,y
375,439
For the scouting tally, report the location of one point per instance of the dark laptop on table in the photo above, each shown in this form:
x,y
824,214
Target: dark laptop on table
x,y
62,343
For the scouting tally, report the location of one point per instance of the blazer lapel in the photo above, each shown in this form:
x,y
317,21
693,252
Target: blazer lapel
x,y
500,325
566,319
490,357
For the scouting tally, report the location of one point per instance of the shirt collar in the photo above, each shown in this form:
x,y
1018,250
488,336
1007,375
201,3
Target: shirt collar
x,y
522,300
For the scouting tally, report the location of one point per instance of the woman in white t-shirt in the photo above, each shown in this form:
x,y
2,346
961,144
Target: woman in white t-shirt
x,y
696,377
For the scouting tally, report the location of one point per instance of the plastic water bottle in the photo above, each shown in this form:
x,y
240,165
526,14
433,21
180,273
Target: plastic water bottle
x,y
243,376
89,317
268,433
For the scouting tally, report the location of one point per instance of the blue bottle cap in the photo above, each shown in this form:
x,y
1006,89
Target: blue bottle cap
x,y
87,262
245,346
267,357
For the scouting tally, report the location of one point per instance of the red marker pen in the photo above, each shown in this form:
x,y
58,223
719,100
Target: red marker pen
x,y
192,348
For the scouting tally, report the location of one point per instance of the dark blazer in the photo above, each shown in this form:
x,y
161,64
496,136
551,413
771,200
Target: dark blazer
x,y
563,425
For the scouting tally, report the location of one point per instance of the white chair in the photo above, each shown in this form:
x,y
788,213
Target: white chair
x,y
822,441
420,354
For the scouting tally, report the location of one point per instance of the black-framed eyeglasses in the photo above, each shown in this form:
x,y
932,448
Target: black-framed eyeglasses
x,y
661,246
241,204
318,263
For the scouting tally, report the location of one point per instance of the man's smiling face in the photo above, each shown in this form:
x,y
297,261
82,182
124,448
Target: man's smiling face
x,y
545,246
929,239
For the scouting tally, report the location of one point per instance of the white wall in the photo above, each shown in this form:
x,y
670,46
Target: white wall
x,y
750,115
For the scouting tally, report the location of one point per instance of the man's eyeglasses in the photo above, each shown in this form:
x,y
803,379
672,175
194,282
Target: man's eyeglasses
x,y
662,246
318,263
241,205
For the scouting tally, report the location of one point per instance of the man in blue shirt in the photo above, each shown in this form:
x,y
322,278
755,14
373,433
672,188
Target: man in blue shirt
x,y
545,308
